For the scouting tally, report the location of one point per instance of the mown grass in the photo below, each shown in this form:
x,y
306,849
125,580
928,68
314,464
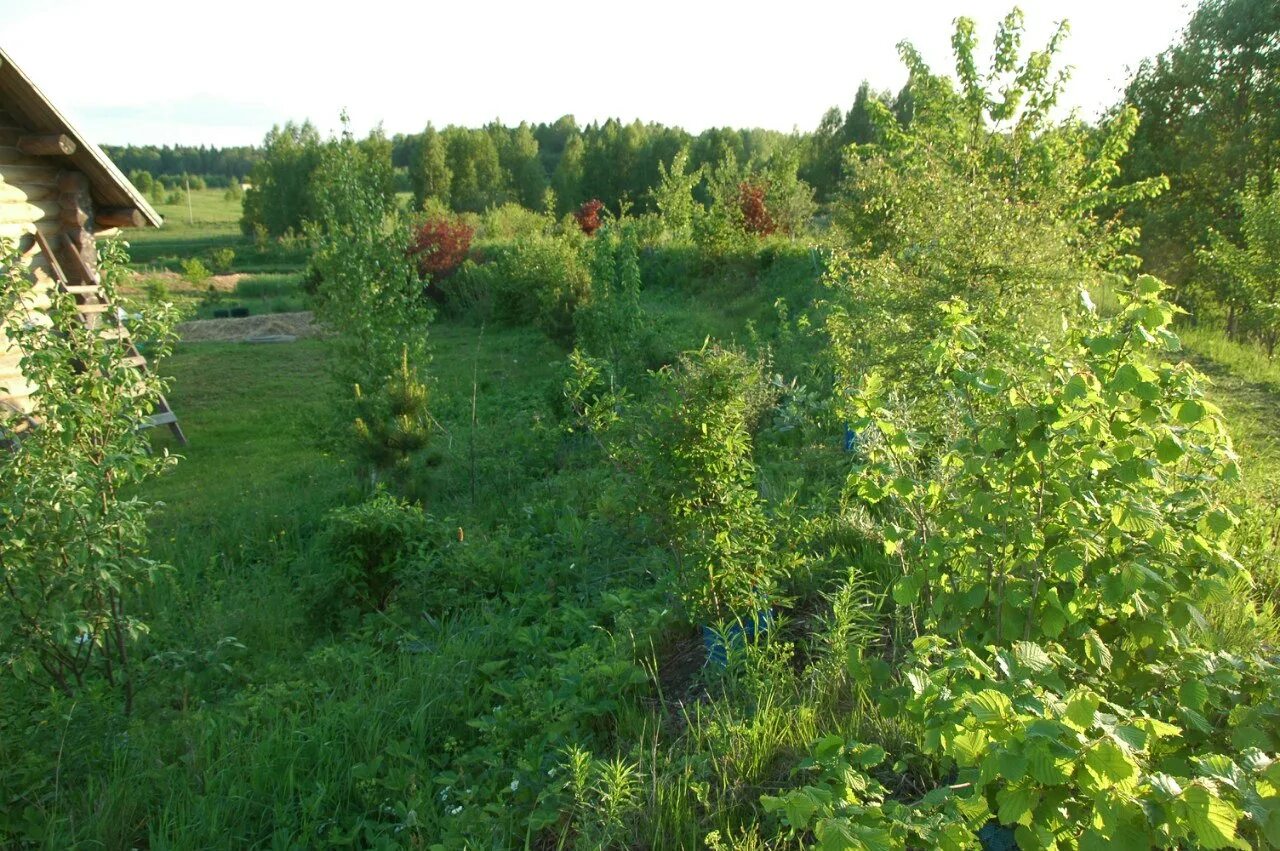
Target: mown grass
x,y
212,224
208,207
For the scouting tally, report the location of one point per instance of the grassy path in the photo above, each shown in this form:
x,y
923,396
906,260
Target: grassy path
x,y
1247,388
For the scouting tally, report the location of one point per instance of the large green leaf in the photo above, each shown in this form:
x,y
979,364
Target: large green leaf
x,y
968,747
1016,804
1109,764
990,706
1212,819
1031,656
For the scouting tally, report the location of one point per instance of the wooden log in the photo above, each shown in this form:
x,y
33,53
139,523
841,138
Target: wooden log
x,y
10,192
73,217
119,217
12,155
73,181
47,145
17,212
35,175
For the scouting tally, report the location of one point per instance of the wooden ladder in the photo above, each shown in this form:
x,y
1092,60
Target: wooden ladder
x,y
91,303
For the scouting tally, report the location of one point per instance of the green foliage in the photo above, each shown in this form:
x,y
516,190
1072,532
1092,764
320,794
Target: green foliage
x,y
287,184
1073,500
1210,108
822,165
512,221
982,196
1247,278
694,468
673,196
394,425
1067,516
195,271
843,806
1058,752
541,279
142,181
429,172
365,549
73,533
156,289
611,325
220,259
1027,596
280,198
788,198
370,295
477,179
518,155
719,231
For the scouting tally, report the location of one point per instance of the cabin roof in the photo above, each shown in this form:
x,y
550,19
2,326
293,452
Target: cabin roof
x,y
108,186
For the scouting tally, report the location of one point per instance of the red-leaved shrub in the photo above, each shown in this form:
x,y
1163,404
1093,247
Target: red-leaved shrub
x,y
588,216
755,215
440,245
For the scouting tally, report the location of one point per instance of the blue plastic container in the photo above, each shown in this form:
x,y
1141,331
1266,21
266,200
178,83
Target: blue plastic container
x,y
850,439
717,642
996,837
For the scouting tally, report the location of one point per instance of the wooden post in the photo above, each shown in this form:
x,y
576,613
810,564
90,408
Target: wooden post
x,y
190,216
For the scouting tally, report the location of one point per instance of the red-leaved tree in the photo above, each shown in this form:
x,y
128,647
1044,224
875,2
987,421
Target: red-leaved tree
x,y
440,245
755,215
588,216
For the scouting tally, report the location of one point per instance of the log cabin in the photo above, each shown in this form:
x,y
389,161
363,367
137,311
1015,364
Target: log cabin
x,y
59,193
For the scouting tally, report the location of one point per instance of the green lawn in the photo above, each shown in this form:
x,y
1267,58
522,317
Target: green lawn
x,y
207,207
212,223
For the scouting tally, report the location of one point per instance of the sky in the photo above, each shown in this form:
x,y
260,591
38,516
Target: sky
x,y
222,72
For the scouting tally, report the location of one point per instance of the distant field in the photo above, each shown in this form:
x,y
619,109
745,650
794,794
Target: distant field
x,y
211,222
208,207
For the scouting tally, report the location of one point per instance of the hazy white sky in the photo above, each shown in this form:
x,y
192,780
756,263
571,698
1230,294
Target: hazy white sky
x,y
222,72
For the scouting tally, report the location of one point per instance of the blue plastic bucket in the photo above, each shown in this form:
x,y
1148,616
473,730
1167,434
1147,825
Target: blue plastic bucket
x,y
718,641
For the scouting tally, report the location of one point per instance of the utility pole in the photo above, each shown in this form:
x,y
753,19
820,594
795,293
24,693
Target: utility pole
x,y
190,217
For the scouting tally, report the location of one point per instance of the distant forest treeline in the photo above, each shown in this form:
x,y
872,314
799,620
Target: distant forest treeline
x,y
215,166
470,169
1208,120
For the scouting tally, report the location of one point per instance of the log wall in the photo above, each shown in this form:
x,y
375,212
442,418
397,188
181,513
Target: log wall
x,y
35,193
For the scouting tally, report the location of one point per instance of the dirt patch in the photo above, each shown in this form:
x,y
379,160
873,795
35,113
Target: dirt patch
x,y
225,283
177,285
249,327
